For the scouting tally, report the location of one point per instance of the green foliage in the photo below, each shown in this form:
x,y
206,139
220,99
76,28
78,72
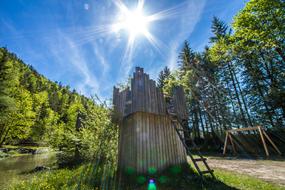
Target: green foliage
x,y
163,76
261,23
100,136
219,29
36,110
88,176
16,114
238,81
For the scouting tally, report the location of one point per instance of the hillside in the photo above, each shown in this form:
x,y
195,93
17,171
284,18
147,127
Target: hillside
x,y
35,110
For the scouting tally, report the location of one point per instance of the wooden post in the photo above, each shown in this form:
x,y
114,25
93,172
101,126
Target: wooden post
x,y
226,143
263,141
261,132
232,143
272,143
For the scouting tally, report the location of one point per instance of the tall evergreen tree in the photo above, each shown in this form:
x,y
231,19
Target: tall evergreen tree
x,y
163,76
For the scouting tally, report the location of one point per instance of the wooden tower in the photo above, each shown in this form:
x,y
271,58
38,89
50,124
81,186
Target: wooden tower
x,y
147,138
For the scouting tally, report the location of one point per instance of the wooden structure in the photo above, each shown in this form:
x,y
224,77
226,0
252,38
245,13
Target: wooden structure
x,y
147,139
263,136
151,136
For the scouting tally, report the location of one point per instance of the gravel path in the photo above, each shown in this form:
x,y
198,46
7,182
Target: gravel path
x,y
267,170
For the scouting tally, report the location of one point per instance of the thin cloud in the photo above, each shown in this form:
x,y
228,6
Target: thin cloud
x,y
193,11
67,52
102,60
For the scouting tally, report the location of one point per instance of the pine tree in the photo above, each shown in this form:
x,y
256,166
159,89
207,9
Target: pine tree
x,y
163,76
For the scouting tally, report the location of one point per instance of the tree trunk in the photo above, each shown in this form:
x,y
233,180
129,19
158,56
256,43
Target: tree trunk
x,y
237,95
201,121
231,100
4,136
196,121
243,100
259,89
280,53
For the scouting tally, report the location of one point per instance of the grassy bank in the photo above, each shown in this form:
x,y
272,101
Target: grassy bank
x,y
76,179
12,150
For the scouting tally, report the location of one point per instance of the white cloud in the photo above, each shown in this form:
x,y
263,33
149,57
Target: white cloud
x,y
185,16
67,52
188,21
86,6
68,48
102,60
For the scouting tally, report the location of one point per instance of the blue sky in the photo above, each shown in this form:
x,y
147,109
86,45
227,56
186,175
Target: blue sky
x,y
67,40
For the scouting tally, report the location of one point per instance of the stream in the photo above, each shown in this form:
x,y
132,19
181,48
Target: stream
x,y
14,168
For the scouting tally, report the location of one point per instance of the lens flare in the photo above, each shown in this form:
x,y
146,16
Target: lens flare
x,y
137,24
151,185
133,21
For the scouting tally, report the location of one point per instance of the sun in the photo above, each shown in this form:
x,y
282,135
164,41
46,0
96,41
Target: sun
x,y
133,21
136,23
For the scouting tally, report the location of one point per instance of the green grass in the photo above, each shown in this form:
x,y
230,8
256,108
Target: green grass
x,y
3,155
84,177
244,181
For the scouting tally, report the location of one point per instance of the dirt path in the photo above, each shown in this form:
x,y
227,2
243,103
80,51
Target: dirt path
x,y
268,170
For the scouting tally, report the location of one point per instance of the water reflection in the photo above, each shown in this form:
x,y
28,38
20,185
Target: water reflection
x,y
13,168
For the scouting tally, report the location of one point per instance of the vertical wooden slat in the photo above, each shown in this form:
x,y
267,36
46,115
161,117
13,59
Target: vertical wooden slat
x,y
147,137
167,139
162,142
151,97
156,141
174,142
140,142
145,142
155,99
134,142
151,133
158,144
263,142
145,94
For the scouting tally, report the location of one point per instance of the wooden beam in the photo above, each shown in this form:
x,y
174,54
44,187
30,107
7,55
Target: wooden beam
x,y
263,141
243,129
226,143
232,142
272,143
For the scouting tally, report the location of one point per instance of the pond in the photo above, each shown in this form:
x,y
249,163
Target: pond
x,y
14,168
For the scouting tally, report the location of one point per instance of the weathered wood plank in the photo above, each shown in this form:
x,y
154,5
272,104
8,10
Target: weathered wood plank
x,y
147,137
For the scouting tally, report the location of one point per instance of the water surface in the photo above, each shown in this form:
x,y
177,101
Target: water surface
x,y
14,168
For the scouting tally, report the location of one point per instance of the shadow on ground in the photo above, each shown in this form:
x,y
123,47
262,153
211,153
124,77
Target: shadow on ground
x,y
181,177
173,178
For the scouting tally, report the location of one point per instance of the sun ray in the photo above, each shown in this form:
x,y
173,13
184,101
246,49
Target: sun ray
x,y
157,44
168,13
128,55
121,6
134,21
140,5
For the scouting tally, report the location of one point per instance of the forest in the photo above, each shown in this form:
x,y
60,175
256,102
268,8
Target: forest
x,y
37,111
238,81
